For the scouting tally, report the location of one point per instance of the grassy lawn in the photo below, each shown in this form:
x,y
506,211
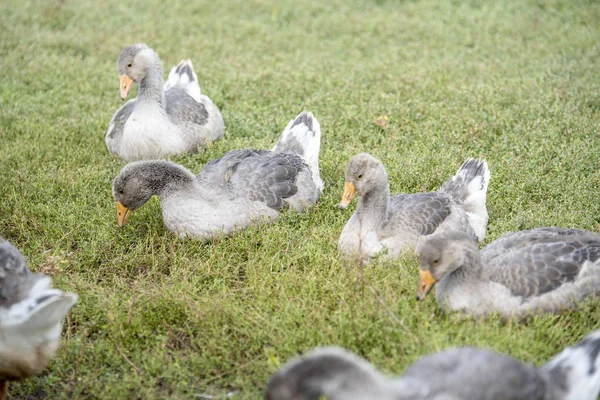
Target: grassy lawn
x,y
514,82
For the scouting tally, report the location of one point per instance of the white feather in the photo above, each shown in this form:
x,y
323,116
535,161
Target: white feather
x,y
188,83
309,140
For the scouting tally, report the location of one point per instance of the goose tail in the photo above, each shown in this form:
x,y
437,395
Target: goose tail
x,y
469,189
302,136
40,315
576,370
184,77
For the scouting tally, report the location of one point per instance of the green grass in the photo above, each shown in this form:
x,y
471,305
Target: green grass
x,y
514,82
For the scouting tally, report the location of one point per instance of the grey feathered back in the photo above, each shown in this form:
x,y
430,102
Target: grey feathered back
x,y
540,260
454,374
258,175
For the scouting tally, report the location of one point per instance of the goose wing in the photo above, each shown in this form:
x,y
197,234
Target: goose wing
x,y
257,175
467,373
541,265
117,125
423,212
183,108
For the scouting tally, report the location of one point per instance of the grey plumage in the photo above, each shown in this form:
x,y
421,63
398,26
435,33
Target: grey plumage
x,y
183,109
31,314
229,192
118,122
454,374
544,269
15,278
164,119
384,224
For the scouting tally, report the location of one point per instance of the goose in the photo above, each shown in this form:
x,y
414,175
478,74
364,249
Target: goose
x,y
387,225
230,192
454,374
521,273
31,314
168,119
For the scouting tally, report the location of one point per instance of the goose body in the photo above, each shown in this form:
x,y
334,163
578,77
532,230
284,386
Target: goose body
x,y
388,225
454,374
230,193
521,273
31,314
173,118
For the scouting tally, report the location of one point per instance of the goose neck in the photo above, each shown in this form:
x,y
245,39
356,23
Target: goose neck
x,y
373,206
151,86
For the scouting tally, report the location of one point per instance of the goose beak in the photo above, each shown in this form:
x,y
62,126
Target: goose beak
x,y
122,213
126,83
348,196
426,282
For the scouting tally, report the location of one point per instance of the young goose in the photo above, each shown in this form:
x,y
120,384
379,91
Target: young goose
x,y
160,121
230,192
31,314
384,223
454,374
539,270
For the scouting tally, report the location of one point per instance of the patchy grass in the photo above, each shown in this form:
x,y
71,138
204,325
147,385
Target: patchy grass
x,y
514,82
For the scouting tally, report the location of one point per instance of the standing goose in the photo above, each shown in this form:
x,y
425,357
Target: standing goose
x,y
454,374
389,224
232,191
31,314
521,273
173,119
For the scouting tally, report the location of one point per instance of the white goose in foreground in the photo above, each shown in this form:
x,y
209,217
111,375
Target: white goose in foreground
x,y
384,224
521,273
31,315
454,374
231,192
173,119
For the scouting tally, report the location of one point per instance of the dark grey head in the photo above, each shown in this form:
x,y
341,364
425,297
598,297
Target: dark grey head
x,y
326,371
139,181
363,174
441,255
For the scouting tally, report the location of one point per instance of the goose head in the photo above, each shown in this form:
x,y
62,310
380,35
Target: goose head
x,y
364,174
139,181
132,188
133,65
330,371
439,256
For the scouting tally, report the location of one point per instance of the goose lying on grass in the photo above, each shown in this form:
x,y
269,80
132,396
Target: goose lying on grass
x,y
521,273
31,314
383,224
454,374
232,191
173,119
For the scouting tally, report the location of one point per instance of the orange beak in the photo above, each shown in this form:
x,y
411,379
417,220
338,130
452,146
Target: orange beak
x,y
426,282
126,83
122,213
349,194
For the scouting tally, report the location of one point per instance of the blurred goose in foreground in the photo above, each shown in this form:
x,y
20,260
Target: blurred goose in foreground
x,y
387,225
231,192
454,374
173,119
521,273
31,314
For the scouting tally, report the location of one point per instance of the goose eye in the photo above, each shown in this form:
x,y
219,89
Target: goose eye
x,y
120,191
435,262
359,176
129,65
